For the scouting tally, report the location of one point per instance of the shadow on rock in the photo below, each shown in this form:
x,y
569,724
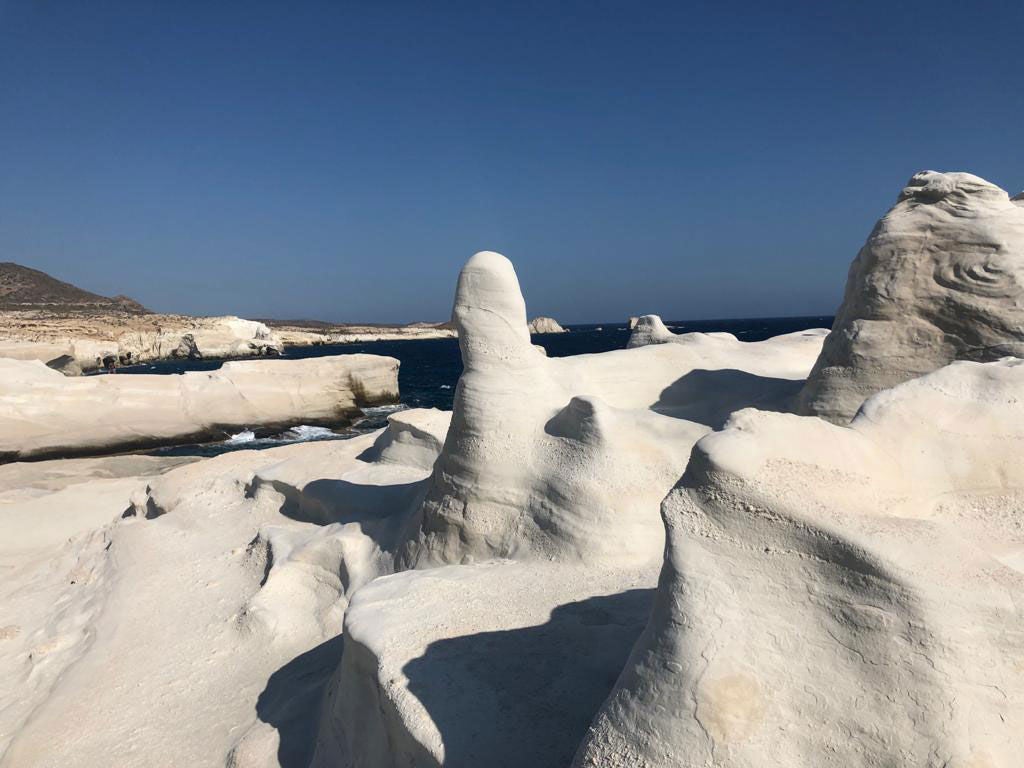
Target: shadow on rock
x,y
708,397
332,500
526,697
291,701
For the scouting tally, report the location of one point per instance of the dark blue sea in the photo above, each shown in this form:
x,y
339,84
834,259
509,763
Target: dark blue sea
x,y
430,369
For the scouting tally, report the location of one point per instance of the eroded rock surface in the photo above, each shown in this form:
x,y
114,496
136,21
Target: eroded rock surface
x,y
566,458
852,592
941,278
552,471
45,414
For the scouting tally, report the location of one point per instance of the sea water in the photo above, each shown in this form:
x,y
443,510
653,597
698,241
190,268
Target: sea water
x,y
430,369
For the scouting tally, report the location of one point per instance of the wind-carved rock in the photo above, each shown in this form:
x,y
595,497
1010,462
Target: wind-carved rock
x,y
566,458
528,471
852,592
941,278
544,506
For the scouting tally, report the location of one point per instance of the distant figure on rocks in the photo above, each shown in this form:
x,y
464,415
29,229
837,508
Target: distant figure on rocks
x,y
110,364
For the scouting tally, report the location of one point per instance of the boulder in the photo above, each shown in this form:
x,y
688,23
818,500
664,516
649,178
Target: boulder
x,y
545,325
941,278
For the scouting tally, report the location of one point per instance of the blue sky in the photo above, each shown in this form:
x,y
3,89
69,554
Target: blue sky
x,y
342,160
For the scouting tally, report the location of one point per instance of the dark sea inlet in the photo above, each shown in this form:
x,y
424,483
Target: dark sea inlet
x,y
430,368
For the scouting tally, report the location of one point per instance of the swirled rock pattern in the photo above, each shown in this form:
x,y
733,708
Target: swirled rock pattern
x,y
840,595
941,278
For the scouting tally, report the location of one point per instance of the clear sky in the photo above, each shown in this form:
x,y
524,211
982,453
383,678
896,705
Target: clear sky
x,y
342,160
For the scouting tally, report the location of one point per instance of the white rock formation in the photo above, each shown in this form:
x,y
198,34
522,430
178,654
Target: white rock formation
x,y
497,664
852,592
155,614
560,464
547,456
941,278
45,414
131,339
649,329
545,325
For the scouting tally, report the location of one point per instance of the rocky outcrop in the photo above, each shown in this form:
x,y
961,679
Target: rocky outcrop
x,y
530,435
648,329
212,593
941,278
91,338
822,581
558,465
545,325
45,414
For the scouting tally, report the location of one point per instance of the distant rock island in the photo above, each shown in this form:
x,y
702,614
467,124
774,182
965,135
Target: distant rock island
x,y
545,325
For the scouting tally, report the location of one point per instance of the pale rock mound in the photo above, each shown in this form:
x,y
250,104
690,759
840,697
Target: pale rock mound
x,y
497,664
560,464
163,615
851,592
45,414
941,278
545,325
566,458
648,329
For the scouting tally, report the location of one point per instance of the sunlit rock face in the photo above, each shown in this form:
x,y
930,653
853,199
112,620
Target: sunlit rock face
x,y
941,278
44,414
567,459
853,592
543,509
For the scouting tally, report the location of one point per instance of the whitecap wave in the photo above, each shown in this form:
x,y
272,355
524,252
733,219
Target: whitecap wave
x,y
246,436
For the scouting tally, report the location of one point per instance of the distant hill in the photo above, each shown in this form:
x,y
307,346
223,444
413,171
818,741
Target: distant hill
x,y
27,288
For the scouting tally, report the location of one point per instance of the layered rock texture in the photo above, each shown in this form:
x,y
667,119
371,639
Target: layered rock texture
x,y
44,414
941,278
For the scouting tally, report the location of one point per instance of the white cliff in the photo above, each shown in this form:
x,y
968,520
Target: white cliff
x,y
45,414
